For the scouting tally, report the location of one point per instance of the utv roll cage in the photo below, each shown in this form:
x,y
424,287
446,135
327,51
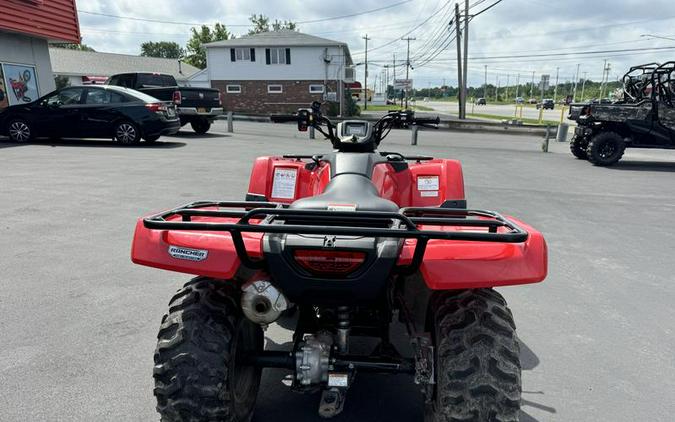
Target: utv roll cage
x,y
637,82
663,83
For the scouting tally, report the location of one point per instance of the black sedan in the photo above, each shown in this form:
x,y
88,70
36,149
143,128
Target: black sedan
x,y
123,114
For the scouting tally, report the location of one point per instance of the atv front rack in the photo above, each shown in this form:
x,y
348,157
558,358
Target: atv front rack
x,y
403,224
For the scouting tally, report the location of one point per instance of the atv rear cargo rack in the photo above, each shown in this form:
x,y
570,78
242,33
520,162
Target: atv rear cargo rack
x,y
402,224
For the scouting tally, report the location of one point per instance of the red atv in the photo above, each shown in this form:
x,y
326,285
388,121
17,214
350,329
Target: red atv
x,y
341,243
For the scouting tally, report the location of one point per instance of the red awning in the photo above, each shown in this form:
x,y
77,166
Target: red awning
x,y
94,80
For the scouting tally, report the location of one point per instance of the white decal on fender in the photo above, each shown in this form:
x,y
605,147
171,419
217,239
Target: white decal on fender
x,y
427,183
283,184
188,253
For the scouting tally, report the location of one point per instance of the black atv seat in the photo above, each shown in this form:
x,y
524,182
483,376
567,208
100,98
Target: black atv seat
x,y
348,189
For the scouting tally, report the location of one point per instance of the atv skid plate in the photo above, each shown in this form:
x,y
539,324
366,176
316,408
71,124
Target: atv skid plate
x,y
452,248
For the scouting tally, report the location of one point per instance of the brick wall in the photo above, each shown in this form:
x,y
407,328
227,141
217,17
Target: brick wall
x,y
254,97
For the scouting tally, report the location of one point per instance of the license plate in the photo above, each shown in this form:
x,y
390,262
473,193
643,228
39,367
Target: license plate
x,y
202,110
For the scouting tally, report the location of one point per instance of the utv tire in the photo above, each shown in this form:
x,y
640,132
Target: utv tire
x,y
477,358
19,131
126,133
199,375
605,148
578,147
200,126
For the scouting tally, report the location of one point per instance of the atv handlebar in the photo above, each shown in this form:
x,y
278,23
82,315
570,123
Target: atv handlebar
x,y
312,117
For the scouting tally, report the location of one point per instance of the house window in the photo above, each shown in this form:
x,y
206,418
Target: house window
x,y
278,55
275,89
233,89
242,54
316,89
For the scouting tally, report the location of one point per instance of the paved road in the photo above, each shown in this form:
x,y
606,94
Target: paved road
x,y
497,109
78,320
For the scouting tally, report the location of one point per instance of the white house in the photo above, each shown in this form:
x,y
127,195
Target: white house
x,y
277,71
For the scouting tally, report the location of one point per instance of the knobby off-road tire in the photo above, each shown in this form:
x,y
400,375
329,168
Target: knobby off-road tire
x,y
198,372
477,358
605,148
578,147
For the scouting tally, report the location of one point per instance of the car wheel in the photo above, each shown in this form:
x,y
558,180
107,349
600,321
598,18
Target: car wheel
x,y
127,133
151,139
19,131
201,126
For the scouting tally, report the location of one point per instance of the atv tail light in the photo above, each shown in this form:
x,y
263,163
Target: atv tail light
x,y
156,107
177,97
329,263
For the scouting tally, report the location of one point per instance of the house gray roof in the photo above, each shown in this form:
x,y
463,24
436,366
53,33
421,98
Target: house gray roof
x,y
284,37
88,63
281,38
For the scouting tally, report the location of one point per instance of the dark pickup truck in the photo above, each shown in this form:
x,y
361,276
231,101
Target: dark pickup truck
x,y
197,106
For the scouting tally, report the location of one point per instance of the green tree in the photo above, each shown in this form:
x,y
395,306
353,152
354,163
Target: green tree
x,y
163,49
196,53
71,46
261,23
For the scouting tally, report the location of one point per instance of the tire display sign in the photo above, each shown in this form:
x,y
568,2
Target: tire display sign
x,y
20,82
4,99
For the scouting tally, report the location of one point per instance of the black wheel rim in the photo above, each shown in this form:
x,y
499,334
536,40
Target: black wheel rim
x,y
126,133
607,150
19,131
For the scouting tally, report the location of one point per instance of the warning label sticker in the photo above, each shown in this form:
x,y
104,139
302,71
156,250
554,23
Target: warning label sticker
x,y
283,184
341,207
427,183
428,193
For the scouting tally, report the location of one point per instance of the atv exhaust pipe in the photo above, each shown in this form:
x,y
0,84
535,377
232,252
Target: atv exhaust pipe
x,y
262,303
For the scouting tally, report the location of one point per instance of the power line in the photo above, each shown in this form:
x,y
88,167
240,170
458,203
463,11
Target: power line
x,y
351,15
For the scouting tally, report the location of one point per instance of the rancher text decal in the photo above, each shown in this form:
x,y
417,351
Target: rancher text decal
x,y
187,253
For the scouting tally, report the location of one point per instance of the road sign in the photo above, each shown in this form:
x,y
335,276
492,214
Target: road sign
x,y
403,84
543,84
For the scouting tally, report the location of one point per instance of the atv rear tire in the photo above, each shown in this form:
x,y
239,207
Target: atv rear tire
x,y
477,358
605,148
198,371
578,147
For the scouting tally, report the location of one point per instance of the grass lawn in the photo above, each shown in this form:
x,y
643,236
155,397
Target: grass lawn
x,y
524,119
394,107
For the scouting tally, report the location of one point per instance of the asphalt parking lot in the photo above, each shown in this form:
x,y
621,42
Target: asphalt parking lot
x,y
79,320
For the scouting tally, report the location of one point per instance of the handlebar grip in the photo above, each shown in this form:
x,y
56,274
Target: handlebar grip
x,y
282,118
429,121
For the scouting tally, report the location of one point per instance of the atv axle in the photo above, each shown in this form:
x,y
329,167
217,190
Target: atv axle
x,y
286,360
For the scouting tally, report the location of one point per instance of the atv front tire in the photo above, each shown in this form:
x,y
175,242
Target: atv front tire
x,y
199,374
578,147
605,148
477,358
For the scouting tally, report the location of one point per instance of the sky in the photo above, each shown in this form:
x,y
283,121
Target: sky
x,y
554,35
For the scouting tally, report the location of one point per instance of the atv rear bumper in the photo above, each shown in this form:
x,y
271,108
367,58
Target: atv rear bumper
x,y
452,248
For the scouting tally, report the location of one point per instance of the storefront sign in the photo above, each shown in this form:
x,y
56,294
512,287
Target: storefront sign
x,y
20,82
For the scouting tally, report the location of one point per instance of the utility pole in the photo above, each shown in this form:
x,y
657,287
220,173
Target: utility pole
x,y
497,90
365,79
407,68
465,93
583,86
532,85
555,88
576,81
460,79
485,86
518,85
506,96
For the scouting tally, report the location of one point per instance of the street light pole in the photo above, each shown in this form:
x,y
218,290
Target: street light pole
x,y
365,78
466,57
576,81
485,86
